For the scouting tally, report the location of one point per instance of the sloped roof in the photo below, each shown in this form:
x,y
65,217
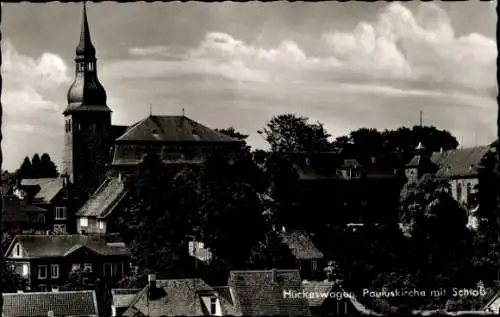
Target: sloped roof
x,y
301,245
261,292
36,181
44,246
172,129
122,297
461,162
317,287
100,203
76,303
16,210
179,298
49,187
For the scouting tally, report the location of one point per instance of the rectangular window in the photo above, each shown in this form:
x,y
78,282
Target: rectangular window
x,y
42,272
101,224
54,270
60,213
314,265
87,267
108,269
213,305
26,269
84,222
76,267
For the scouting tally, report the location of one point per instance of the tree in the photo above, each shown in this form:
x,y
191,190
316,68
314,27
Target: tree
x,y
233,133
36,167
81,280
161,217
230,209
446,253
25,169
11,282
270,252
290,133
48,167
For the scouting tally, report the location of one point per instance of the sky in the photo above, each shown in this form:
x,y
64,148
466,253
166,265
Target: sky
x,y
345,64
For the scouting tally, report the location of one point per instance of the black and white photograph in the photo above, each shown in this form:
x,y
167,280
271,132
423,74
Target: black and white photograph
x,y
249,159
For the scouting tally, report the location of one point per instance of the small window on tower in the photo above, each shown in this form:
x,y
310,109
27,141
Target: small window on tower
x,y
81,67
91,66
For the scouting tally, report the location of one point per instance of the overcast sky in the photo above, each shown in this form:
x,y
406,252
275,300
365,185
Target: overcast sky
x,y
348,65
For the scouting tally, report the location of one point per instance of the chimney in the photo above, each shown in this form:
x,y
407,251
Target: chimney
x,y
273,276
151,285
152,281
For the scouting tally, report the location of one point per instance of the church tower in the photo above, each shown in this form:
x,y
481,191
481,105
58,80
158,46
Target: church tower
x,y
87,119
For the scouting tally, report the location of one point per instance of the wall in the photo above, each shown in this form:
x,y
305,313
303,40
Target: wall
x,y
93,225
454,183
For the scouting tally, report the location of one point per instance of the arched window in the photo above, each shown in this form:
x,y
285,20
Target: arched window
x,y
459,192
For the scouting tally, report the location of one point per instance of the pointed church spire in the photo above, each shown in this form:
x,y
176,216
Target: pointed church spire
x,y
85,48
86,90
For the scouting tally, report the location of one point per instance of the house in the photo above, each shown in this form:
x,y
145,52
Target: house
x,y
181,297
351,168
268,293
308,258
175,139
198,251
18,216
55,195
97,214
41,304
459,167
328,298
47,260
121,298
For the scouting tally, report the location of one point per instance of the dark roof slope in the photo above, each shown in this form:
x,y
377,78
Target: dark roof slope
x,y
103,199
49,188
77,303
301,245
44,246
180,298
172,129
261,292
317,287
16,210
460,162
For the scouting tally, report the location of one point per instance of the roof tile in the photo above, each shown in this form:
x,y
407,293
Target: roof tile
x,y
77,303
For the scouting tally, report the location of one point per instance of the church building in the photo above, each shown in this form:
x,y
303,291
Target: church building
x,y
98,155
